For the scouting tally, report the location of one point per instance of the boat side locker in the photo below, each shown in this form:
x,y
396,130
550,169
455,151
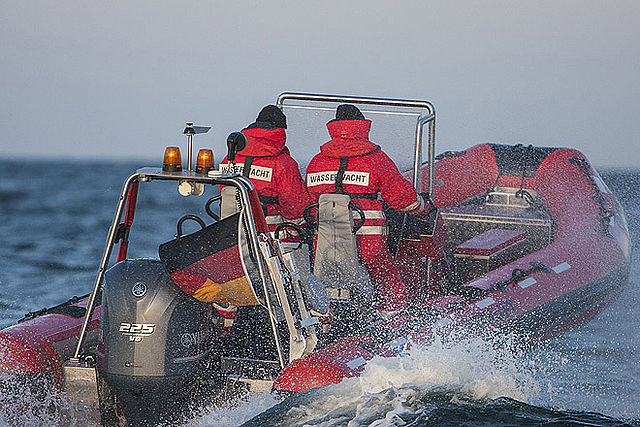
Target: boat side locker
x,y
485,252
501,209
420,257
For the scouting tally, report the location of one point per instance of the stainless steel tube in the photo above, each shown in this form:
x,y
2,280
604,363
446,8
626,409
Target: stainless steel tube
x,y
391,102
103,264
256,249
190,150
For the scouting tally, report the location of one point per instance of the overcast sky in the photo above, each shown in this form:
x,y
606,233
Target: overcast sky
x,y
119,78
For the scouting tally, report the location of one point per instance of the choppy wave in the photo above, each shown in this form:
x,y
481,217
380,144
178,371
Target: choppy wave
x,y
466,383
408,389
27,401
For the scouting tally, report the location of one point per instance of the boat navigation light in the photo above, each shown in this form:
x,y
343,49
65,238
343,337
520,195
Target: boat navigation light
x,y
172,161
205,162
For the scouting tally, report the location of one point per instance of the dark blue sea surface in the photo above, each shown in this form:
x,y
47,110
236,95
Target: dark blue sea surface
x,y
54,218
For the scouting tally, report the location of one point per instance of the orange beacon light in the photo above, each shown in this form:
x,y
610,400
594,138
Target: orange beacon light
x,y
172,161
205,161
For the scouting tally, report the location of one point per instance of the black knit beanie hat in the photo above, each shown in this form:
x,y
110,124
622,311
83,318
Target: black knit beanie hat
x,y
348,112
273,116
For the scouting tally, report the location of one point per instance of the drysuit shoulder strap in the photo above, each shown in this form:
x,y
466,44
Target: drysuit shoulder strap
x,y
246,169
344,162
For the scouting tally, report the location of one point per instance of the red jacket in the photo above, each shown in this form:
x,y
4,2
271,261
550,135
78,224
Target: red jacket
x,y
369,171
274,173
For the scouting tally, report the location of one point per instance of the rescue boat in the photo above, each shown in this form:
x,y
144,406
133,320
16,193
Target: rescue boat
x,y
522,240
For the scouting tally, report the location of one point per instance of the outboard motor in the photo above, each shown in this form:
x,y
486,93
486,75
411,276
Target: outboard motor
x,y
153,341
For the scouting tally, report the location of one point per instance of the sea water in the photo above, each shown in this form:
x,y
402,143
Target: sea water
x,y
54,218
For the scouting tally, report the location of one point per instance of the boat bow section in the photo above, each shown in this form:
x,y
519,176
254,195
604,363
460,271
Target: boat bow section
x,y
548,287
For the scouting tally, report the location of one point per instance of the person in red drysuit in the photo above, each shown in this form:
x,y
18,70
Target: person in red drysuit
x,y
353,165
267,163
276,175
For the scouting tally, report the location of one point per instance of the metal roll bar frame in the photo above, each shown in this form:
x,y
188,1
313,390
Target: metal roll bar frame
x,y
244,187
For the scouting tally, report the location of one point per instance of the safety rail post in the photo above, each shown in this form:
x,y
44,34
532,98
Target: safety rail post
x,y
255,244
111,235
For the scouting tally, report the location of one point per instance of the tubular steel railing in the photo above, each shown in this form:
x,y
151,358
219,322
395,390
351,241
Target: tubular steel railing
x,y
242,184
428,118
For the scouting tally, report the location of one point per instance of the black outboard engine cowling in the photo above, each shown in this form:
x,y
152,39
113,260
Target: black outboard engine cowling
x,y
154,339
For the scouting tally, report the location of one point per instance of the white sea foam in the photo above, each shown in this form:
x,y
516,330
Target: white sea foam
x,y
475,367
391,389
237,414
